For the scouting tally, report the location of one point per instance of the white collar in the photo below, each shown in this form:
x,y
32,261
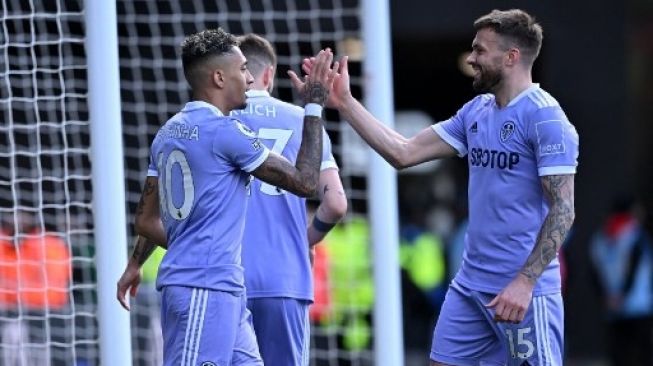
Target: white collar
x,y
257,93
197,104
528,90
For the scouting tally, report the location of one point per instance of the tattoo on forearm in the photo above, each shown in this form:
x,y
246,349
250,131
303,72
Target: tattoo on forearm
x,y
310,151
148,189
302,179
142,250
560,191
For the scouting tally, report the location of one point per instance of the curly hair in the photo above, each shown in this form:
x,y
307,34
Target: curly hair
x,y
517,26
199,47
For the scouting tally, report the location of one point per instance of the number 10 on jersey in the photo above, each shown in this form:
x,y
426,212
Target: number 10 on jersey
x,y
169,184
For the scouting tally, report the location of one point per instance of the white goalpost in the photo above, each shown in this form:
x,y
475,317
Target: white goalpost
x,y
379,98
108,178
84,86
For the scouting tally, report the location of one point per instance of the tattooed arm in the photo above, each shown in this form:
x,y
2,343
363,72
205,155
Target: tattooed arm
x,y
150,233
559,191
147,220
302,179
512,302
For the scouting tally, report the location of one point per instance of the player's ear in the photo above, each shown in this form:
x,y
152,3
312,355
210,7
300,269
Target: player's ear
x,y
513,56
218,78
268,77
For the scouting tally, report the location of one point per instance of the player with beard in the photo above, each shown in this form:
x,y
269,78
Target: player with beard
x,y
504,305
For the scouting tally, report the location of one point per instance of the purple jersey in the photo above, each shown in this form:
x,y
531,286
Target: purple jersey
x,y
508,150
275,246
202,160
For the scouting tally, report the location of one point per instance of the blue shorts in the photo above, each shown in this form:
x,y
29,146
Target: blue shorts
x,y
206,327
282,329
467,335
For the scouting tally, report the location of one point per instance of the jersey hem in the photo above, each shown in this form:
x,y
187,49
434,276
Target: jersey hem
x,y
231,290
328,165
265,294
496,290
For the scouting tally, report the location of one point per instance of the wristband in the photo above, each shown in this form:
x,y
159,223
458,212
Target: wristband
x,y
313,110
321,226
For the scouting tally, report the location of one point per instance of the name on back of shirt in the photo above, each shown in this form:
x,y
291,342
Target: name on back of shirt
x,y
181,130
257,110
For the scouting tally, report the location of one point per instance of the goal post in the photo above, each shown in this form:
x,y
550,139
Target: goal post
x,y
108,178
377,69
85,85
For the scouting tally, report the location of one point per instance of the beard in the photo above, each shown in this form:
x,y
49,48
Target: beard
x,y
243,104
487,80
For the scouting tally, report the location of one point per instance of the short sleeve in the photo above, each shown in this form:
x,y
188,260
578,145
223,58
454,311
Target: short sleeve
x,y
453,131
151,169
555,142
328,161
239,144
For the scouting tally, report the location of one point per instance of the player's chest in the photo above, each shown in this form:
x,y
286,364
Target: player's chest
x,y
496,129
496,140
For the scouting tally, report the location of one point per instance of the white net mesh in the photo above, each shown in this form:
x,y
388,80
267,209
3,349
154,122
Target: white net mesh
x,y
47,280
45,165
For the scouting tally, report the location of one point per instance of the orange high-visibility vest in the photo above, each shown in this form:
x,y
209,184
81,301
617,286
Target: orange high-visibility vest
x,y
321,307
36,273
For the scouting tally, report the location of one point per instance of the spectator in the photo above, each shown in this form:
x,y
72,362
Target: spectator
x,y
34,281
623,263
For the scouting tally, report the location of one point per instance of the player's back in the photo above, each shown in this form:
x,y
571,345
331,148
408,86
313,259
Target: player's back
x,y
275,246
201,158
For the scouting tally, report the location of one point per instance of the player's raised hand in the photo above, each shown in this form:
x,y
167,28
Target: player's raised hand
x,y
511,304
129,281
316,86
341,89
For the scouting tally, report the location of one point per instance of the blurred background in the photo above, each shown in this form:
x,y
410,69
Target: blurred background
x,y
596,61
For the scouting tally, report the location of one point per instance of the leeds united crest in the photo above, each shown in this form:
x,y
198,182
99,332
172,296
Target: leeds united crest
x,y
507,130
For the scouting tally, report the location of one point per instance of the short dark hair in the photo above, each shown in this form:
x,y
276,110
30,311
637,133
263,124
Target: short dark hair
x,y
199,47
516,25
258,51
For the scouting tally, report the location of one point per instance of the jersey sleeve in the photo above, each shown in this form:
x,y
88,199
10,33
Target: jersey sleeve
x,y
151,168
328,161
238,144
453,131
555,142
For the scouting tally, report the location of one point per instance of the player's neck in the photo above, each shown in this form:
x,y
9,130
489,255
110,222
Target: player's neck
x,y
212,100
512,88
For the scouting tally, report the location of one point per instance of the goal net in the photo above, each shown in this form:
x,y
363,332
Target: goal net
x,y
47,277
45,165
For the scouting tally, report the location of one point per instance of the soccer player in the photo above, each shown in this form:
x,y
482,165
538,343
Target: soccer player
x,y
276,241
504,306
195,198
